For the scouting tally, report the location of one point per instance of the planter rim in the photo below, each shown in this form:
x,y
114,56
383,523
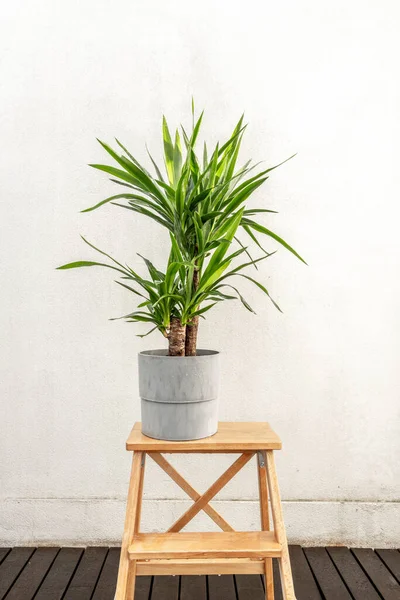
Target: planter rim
x,y
163,353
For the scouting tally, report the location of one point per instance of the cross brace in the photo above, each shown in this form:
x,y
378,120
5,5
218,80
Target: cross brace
x,y
201,502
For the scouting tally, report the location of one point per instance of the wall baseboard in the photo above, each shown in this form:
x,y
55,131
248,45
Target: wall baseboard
x,y
71,521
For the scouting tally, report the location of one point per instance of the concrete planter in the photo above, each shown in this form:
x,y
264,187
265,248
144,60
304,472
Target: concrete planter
x,y
179,395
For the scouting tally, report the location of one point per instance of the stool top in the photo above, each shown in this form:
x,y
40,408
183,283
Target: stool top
x,y
230,437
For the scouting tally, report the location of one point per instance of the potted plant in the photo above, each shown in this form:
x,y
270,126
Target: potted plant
x,y
202,203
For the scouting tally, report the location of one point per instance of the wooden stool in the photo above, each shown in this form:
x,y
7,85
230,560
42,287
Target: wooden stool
x,y
227,552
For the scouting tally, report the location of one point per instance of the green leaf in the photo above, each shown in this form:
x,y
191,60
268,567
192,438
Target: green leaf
x,y
132,158
116,173
177,160
205,157
262,287
196,130
148,213
239,198
142,179
142,335
245,249
202,310
241,298
86,263
215,292
80,263
103,253
155,274
142,317
124,184
199,232
131,289
254,238
168,152
159,175
243,266
213,270
271,234
253,211
213,167
108,200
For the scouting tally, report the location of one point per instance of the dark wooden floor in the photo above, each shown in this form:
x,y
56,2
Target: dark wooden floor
x,y
90,574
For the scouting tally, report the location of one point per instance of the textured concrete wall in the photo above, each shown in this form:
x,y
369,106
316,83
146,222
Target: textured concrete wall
x,y
316,78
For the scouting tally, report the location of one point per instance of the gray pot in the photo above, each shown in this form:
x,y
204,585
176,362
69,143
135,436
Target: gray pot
x,y
179,394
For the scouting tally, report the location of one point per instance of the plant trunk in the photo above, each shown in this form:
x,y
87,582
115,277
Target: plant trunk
x,y
176,338
193,326
191,337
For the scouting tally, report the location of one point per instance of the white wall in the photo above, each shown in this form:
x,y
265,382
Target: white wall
x,y
317,78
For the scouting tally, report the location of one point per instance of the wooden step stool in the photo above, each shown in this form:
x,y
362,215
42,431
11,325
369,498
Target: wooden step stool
x,y
227,552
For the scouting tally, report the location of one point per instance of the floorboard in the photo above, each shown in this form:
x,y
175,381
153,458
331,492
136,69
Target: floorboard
x,y
391,558
3,553
328,578
353,575
105,588
33,574
58,578
305,586
378,573
12,566
249,587
165,587
221,587
334,573
143,588
87,574
193,587
277,581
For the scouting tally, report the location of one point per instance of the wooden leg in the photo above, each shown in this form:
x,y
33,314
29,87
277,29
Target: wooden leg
x,y
265,525
136,528
284,560
127,569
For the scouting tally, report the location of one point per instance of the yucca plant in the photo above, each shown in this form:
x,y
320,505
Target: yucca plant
x,y
202,204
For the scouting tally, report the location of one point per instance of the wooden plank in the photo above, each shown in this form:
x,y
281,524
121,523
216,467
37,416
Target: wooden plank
x,y
252,544
279,527
85,579
3,553
190,491
354,577
12,566
265,521
193,587
165,588
193,566
60,574
304,582
126,571
249,587
230,437
221,588
33,574
376,570
325,573
140,495
211,492
105,588
391,558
